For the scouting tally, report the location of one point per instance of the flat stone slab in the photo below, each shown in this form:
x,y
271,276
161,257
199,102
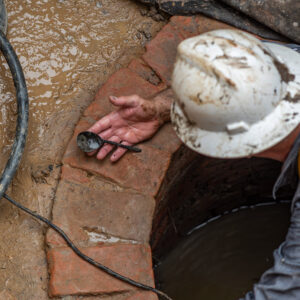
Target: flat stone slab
x,y
143,296
70,275
132,295
90,216
161,52
142,172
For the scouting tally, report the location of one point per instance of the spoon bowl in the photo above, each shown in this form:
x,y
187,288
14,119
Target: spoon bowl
x,y
88,141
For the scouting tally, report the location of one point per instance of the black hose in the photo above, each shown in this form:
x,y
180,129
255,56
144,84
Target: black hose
x,y
3,16
22,121
85,257
17,151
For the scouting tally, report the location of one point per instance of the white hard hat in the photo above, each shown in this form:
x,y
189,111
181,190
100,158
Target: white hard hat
x,y
235,96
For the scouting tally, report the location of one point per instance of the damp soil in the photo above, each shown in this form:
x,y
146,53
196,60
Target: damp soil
x,y
224,257
67,48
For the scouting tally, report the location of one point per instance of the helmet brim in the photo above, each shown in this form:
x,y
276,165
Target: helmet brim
x,y
262,135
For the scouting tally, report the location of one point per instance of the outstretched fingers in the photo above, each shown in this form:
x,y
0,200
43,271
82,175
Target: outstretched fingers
x,y
106,148
125,101
117,125
105,123
119,152
101,125
105,135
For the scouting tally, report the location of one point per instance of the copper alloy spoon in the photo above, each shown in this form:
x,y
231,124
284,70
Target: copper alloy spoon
x,y
88,141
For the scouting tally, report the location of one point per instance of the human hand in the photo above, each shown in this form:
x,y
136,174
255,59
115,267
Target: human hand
x,y
135,120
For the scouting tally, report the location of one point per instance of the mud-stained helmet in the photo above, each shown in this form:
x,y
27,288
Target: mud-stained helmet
x,y
235,96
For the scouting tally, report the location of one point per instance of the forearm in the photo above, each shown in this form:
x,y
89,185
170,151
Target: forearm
x,y
162,103
281,150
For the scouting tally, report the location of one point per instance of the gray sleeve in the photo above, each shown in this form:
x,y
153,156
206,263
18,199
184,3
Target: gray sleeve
x,y
282,281
288,175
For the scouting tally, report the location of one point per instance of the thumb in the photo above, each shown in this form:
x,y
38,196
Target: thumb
x,y
125,101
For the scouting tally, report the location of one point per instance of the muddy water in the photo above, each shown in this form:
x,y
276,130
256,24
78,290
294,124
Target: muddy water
x,y
60,43
224,258
67,49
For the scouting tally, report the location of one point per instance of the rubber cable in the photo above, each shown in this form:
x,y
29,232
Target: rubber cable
x,y
22,120
82,255
17,151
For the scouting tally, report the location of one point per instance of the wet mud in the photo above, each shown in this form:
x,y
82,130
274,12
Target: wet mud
x,y
67,49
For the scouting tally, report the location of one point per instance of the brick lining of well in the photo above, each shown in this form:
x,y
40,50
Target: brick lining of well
x,y
107,209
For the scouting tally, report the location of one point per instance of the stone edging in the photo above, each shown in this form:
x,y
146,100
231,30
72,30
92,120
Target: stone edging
x,y
107,209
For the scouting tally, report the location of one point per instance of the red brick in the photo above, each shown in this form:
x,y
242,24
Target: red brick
x,y
143,70
206,24
143,171
165,139
122,83
70,275
143,296
100,297
81,211
75,175
161,52
187,26
53,239
195,25
98,109
117,296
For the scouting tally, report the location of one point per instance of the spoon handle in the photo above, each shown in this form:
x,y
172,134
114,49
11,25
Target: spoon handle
x,y
135,149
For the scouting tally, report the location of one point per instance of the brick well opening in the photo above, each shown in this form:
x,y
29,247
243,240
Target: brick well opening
x,y
197,188
236,243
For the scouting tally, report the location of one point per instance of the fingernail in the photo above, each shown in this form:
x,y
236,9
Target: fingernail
x,y
113,97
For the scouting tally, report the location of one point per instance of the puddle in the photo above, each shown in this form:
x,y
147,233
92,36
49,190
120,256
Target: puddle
x,y
224,258
61,44
67,49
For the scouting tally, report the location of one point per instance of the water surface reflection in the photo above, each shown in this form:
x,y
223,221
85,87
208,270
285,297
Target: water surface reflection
x,y
222,260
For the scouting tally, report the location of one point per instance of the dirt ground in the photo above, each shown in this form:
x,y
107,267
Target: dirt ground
x,y
67,48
